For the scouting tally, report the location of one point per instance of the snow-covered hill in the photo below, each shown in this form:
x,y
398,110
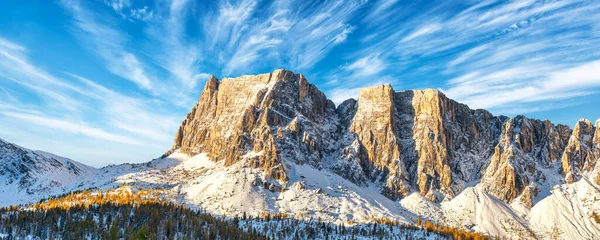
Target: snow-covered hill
x,y
27,175
321,194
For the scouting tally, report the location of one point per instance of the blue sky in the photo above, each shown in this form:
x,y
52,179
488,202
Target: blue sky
x,y
109,81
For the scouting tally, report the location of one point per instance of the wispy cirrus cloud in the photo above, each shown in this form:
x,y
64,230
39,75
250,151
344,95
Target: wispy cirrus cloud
x,y
296,34
502,88
366,66
490,54
16,67
126,10
142,14
547,44
76,106
165,46
108,43
180,57
129,114
71,127
512,57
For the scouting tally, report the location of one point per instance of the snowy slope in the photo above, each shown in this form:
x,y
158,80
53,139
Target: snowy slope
x,y
482,212
27,176
236,189
310,193
320,194
472,209
567,212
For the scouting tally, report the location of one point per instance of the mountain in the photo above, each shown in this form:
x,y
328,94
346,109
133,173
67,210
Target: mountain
x,y
27,175
391,143
275,143
408,141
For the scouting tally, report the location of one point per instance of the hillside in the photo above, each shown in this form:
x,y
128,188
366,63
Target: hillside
x,y
27,176
132,213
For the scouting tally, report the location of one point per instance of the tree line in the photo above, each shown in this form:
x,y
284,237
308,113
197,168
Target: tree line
x,y
130,213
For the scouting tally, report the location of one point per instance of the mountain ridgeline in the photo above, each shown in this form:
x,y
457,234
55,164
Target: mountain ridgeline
x,y
25,173
405,142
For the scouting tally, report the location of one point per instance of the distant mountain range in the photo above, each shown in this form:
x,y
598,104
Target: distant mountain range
x,y
274,142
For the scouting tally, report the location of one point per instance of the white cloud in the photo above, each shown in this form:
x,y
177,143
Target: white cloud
x,y
10,46
15,67
504,87
366,66
71,127
142,14
295,34
131,114
341,37
126,10
109,44
65,105
170,50
340,95
467,55
118,5
423,31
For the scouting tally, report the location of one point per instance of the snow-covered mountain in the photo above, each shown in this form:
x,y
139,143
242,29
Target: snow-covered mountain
x,y
273,142
27,175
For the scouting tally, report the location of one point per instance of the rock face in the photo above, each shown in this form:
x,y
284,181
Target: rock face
x,y
404,141
526,147
259,119
576,152
447,142
593,159
423,141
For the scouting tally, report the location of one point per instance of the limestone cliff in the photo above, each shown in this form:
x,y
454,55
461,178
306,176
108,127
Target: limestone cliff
x,y
251,117
593,160
407,141
577,150
446,141
525,146
375,126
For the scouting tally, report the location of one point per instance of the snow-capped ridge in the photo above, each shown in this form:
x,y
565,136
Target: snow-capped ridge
x,y
28,176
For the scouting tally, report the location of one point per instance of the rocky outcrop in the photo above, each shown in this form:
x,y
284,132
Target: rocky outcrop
x,y
421,140
259,119
576,153
405,141
346,112
526,147
376,128
375,125
447,143
593,159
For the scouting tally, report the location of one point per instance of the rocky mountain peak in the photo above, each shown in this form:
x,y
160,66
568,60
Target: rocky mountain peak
x,y
250,114
374,124
575,156
593,161
583,129
597,139
406,141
